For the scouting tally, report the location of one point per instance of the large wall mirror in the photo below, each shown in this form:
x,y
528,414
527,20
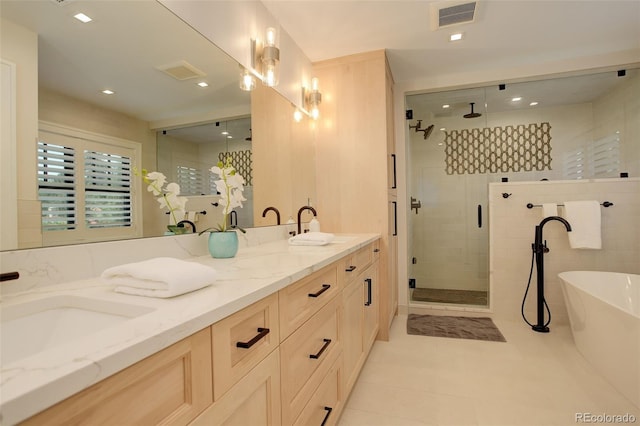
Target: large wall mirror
x,y
154,63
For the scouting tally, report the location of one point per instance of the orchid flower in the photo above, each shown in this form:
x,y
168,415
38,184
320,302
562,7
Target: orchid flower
x,y
230,186
168,197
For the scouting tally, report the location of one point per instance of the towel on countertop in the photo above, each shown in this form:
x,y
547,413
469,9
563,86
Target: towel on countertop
x,y
584,218
549,209
311,239
159,277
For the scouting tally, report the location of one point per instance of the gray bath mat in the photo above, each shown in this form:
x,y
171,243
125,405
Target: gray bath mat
x,y
456,327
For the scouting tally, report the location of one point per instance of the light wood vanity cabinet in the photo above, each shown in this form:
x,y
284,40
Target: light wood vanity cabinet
x,y
360,311
170,387
288,359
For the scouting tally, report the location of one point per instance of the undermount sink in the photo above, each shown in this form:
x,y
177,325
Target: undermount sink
x,y
35,326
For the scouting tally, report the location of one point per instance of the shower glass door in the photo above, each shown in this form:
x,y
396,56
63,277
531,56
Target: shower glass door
x,y
448,221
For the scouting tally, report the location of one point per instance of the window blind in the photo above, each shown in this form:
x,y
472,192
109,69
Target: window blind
x,y
57,186
107,190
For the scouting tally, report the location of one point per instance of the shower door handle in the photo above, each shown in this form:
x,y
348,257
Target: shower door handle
x,y
479,215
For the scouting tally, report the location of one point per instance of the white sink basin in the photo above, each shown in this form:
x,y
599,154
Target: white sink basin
x,y
32,327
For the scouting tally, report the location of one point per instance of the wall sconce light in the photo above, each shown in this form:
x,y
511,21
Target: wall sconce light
x,y
297,115
265,58
247,80
270,58
313,99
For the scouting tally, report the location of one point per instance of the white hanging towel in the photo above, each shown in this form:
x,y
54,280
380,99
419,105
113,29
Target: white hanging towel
x,y
549,209
584,218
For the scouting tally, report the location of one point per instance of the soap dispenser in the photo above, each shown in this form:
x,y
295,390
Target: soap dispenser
x,y
314,225
291,226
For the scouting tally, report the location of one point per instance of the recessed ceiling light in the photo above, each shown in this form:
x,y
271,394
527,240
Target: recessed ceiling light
x,y
203,84
442,129
446,106
516,99
455,37
225,133
108,92
534,103
82,17
229,137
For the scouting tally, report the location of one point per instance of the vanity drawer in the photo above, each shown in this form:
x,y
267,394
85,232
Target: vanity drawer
x,y
170,387
307,356
325,405
356,262
299,301
241,341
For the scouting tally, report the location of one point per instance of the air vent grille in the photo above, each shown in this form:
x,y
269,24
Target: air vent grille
x,y
181,70
447,14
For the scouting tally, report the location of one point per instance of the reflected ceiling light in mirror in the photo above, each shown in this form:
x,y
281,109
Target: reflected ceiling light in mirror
x,y
108,92
456,37
247,80
534,103
203,84
82,18
516,99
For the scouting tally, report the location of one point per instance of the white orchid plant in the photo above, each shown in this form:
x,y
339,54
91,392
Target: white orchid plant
x,y
167,196
230,186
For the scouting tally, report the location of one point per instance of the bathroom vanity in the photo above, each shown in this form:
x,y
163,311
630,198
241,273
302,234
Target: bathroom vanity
x,y
279,339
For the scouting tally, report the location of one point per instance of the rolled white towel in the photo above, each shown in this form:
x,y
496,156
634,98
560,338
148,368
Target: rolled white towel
x,y
159,277
311,239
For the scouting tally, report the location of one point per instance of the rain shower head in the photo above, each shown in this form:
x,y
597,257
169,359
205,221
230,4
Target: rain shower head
x,y
472,114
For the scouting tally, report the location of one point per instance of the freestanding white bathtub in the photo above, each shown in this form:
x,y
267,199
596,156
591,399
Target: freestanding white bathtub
x,y
604,312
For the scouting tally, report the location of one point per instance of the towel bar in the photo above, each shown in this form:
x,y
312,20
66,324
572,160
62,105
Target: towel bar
x,y
604,203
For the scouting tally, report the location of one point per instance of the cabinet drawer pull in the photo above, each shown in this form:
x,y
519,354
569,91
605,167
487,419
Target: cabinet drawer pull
x,y
376,250
261,333
322,349
324,288
326,416
369,301
351,268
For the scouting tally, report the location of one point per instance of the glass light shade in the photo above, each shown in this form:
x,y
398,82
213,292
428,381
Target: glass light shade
x,y
270,72
271,37
247,80
315,113
297,115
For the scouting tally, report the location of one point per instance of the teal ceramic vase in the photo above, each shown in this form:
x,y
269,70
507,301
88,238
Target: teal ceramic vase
x,y
223,245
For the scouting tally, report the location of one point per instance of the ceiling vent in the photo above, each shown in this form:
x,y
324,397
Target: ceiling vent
x,y
445,14
181,70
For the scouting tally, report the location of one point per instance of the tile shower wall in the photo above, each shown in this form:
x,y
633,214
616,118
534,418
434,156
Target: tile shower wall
x,y
511,234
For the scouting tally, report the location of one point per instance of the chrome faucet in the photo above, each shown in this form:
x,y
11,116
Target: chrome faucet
x,y
182,222
303,208
264,213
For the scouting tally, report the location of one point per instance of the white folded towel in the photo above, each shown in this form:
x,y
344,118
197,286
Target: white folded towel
x,y
311,239
159,277
584,218
549,209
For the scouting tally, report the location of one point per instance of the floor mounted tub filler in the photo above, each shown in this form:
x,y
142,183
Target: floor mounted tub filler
x,y
604,313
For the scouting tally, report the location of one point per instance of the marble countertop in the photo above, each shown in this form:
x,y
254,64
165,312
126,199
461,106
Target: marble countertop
x,y
34,383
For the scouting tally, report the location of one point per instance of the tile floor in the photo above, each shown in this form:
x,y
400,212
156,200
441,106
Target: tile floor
x,y
532,379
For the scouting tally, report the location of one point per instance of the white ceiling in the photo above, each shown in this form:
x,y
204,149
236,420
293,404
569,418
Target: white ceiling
x,y
505,33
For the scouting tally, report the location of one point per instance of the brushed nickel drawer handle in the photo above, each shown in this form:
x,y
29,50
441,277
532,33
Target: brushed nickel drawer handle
x,y
325,287
322,349
261,333
351,268
326,416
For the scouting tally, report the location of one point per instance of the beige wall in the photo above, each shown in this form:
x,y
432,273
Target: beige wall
x,y
512,228
20,46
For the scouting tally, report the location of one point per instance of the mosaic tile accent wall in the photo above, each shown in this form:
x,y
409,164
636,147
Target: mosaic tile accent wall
x,y
518,148
242,161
